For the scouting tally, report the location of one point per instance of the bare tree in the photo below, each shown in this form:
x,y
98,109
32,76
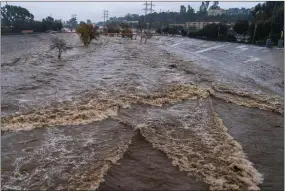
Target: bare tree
x,y
141,27
146,34
60,45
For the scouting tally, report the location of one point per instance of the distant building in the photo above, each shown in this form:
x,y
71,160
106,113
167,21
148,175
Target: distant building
x,y
198,25
216,12
178,25
233,11
247,11
101,29
131,22
237,11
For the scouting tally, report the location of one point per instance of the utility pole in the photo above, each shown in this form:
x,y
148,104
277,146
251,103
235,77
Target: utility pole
x,y
73,22
105,14
273,18
151,7
254,33
145,10
150,22
219,32
104,19
73,16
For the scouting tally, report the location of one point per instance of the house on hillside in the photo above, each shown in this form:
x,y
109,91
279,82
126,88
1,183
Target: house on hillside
x,y
198,25
233,11
237,11
216,12
178,25
131,22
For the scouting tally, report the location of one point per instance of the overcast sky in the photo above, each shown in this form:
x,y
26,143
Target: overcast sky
x,y
94,10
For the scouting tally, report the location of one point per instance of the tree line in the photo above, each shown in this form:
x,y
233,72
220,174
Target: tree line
x,y
268,20
186,14
267,23
14,19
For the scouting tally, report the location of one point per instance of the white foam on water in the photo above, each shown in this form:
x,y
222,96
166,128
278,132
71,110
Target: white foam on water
x,y
252,59
210,48
177,43
242,47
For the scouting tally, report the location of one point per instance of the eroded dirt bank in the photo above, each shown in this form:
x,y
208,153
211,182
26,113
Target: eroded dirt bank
x,y
120,100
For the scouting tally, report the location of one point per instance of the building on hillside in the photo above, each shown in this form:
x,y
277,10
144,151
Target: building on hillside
x,y
131,22
237,11
233,11
216,12
198,25
178,25
245,11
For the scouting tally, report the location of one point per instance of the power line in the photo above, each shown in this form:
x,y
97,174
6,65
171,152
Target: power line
x,y
151,5
73,16
105,13
145,9
150,19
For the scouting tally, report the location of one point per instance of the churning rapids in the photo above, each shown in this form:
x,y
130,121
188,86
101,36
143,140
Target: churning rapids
x,y
171,114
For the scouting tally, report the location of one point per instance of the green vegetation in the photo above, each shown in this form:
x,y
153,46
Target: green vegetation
x,y
241,27
212,32
87,33
72,23
171,30
268,21
14,19
164,18
126,31
113,28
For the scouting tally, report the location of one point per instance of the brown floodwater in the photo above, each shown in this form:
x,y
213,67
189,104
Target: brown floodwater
x,y
124,115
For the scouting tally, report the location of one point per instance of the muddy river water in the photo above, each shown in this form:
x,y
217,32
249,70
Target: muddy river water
x,y
171,114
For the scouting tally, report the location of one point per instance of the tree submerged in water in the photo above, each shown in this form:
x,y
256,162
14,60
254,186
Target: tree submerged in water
x,y
60,45
87,33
